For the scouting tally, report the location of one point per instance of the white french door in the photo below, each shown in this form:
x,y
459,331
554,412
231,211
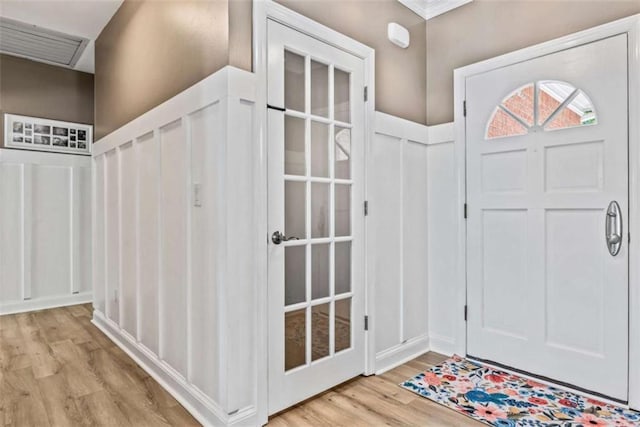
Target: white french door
x,y
547,194
316,225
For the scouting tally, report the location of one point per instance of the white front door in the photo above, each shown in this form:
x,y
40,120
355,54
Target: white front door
x,y
547,154
316,225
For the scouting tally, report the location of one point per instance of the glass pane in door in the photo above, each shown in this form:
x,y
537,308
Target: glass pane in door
x,y
319,149
341,105
342,141
319,210
294,209
320,271
320,315
294,77
319,89
295,332
294,147
343,267
343,210
295,268
343,324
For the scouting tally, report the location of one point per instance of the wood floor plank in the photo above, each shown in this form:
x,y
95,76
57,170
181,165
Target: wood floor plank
x,y
8,322
376,401
101,408
21,402
57,368
42,361
80,376
60,403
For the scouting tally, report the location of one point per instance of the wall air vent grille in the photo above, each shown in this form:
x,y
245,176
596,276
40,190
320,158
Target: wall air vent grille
x,y
40,44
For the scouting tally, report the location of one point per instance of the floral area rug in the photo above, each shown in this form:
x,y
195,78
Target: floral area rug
x,y
501,399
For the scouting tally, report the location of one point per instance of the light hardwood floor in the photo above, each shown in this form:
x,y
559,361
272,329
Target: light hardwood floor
x,y
57,369
375,401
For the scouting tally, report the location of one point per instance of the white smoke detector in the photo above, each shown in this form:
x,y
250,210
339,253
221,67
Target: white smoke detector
x,y
398,35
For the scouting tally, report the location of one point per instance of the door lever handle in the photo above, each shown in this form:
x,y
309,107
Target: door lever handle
x,y
277,238
613,228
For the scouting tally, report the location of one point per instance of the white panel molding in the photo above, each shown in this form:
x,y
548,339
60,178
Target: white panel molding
x,y
62,290
25,226
444,335
398,135
207,133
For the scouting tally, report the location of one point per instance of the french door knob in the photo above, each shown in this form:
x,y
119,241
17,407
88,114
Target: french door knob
x,y
278,238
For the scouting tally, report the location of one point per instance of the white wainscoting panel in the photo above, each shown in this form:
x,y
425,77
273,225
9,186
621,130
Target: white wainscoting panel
x,y
442,219
397,240
174,227
45,249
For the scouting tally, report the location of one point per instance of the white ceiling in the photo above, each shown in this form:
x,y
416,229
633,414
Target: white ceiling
x,y
431,8
84,18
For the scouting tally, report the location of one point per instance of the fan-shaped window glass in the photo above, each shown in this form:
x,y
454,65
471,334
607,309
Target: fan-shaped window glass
x,y
504,124
546,105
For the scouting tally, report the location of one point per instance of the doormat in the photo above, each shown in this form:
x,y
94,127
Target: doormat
x,y
498,398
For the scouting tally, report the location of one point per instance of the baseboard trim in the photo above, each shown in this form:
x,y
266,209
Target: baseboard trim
x,y
442,345
45,303
402,353
203,409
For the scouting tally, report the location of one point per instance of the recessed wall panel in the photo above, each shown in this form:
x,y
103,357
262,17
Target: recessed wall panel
x,y
385,236
148,170
51,245
415,240
206,128
128,320
173,288
99,258
11,229
442,250
82,222
112,236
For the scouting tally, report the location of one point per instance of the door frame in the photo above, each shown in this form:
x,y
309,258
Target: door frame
x,y
263,10
631,27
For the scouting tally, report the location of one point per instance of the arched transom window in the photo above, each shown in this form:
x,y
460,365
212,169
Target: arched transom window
x,y
545,105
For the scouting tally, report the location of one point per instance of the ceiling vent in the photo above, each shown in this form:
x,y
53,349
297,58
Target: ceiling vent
x,y
40,44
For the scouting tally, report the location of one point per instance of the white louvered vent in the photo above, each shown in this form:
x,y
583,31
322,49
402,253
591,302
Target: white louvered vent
x,y
40,44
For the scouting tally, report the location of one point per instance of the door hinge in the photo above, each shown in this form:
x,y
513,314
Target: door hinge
x,y
366,323
366,207
629,238
465,211
466,312
464,108
366,93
